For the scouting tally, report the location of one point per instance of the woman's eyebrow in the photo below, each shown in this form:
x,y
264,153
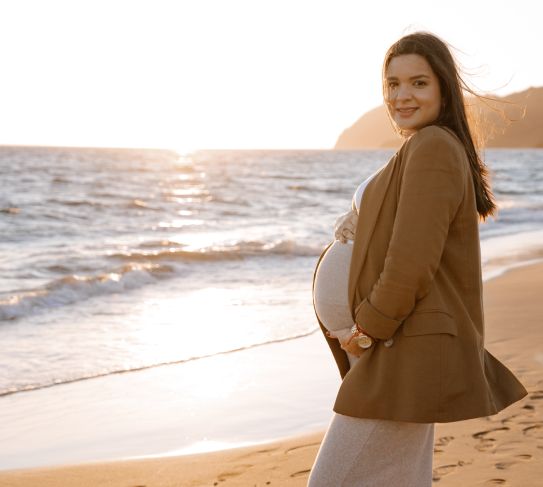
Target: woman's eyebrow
x,y
411,77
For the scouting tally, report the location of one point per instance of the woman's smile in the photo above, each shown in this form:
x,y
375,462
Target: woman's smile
x,y
406,112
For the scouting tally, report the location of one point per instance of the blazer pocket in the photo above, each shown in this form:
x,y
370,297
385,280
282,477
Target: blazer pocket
x,y
427,322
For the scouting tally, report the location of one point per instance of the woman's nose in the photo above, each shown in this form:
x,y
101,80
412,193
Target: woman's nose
x,y
403,92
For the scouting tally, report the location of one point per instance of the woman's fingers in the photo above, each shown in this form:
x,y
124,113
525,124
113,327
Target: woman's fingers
x,y
350,345
340,221
341,218
338,232
344,234
352,348
345,227
352,221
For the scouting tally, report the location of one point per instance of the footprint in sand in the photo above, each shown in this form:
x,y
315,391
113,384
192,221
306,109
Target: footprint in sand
x,y
265,450
443,470
300,473
225,475
443,441
487,444
509,446
495,482
534,431
310,445
509,464
482,434
514,417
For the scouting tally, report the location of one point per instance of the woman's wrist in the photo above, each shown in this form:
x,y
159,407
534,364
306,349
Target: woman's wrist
x,y
361,337
357,328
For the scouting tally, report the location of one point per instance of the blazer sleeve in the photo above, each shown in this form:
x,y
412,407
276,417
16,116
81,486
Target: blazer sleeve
x,y
431,190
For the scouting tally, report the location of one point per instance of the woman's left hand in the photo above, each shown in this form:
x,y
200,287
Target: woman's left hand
x,y
345,226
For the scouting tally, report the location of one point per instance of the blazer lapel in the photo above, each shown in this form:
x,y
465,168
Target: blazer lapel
x,y
372,200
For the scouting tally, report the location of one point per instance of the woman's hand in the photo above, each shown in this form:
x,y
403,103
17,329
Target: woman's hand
x,y
346,340
350,345
345,226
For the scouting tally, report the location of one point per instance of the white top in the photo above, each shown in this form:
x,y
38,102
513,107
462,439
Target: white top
x,y
357,197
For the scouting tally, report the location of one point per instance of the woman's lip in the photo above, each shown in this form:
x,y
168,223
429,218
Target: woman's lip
x,y
406,112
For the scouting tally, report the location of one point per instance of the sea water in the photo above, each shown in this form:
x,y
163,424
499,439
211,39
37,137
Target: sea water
x,y
122,260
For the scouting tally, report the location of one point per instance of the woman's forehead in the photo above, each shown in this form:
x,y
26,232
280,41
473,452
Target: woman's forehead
x,y
409,66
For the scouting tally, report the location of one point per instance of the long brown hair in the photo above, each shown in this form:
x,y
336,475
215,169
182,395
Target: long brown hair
x,y
453,109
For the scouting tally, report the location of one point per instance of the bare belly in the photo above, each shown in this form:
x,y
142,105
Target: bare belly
x,y
331,287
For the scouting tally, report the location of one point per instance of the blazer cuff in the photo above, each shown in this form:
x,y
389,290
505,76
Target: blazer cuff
x,y
374,322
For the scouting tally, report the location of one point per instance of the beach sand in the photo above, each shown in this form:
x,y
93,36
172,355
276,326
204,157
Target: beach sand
x,y
504,449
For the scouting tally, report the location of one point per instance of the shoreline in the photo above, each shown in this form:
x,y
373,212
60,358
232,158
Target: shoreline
x,y
503,449
499,254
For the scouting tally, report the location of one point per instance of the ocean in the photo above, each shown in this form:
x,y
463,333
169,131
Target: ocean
x,y
117,260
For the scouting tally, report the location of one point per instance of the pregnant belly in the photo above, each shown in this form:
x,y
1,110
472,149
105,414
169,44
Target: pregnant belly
x,y
330,294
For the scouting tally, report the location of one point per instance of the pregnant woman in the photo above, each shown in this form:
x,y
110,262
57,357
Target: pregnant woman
x,y
401,306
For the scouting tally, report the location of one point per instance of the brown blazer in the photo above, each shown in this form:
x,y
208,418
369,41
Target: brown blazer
x,y
415,284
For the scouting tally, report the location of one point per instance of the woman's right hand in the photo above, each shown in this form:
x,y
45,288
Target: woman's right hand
x,y
345,226
345,338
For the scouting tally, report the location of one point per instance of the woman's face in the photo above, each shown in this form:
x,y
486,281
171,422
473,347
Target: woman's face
x,y
412,93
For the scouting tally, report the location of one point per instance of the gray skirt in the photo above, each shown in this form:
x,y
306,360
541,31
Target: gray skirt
x,y
361,452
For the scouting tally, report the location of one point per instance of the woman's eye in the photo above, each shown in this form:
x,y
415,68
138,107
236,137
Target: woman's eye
x,y
392,84
420,83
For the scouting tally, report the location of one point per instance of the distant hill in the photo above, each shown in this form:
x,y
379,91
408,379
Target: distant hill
x,y
515,120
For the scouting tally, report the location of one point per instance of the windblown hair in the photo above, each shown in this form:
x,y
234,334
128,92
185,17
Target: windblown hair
x,y
453,107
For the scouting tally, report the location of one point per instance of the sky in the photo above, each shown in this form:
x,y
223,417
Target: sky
x,y
232,74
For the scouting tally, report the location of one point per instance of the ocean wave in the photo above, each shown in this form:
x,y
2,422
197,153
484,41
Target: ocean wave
x,y
161,243
95,204
133,203
235,251
54,382
315,189
75,288
229,201
140,205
